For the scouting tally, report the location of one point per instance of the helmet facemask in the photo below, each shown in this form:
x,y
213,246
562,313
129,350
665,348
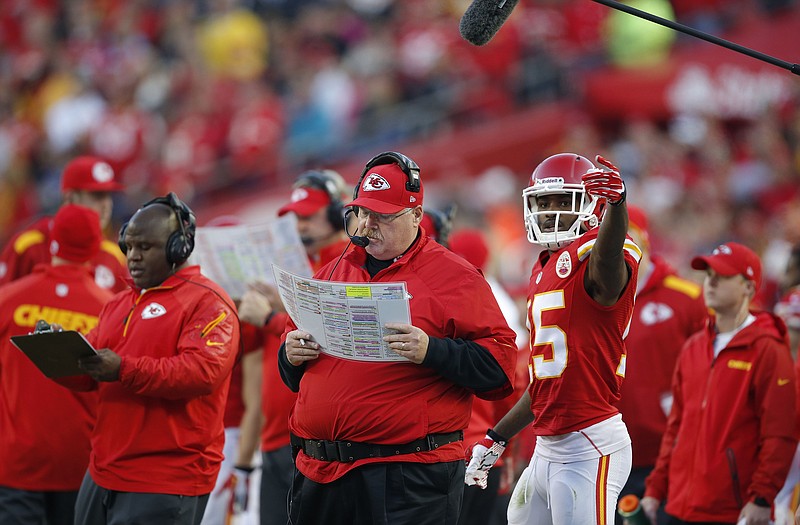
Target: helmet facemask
x,y
585,208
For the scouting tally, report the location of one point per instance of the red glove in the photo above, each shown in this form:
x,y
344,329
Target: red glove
x,y
481,458
606,183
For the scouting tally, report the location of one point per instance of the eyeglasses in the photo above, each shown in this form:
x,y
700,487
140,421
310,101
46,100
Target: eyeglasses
x,y
381,218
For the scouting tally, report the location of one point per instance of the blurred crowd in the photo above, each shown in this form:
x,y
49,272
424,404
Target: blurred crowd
x,y
202,96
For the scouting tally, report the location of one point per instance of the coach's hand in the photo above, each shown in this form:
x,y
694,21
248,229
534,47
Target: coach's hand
x,y
408,341
300,347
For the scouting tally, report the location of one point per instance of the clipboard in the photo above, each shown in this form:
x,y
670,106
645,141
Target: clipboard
x,y
56,354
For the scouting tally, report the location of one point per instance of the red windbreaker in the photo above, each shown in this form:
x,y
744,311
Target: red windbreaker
x,y
44,428
668,310
276,398
730,436
401,402
32,246
159,427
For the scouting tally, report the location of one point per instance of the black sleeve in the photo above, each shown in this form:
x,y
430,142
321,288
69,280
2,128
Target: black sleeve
x,y
290,374
465,363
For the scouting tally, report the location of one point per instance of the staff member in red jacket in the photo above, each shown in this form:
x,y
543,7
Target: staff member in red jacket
x,y
730,437
317,203
399,425
90,182
668,310
166,350
44,444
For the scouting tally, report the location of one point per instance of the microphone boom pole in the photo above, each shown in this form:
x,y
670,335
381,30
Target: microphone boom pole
x,y
794,68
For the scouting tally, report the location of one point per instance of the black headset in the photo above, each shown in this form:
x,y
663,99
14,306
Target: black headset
x,y
180,243
408,166
443,222
325,180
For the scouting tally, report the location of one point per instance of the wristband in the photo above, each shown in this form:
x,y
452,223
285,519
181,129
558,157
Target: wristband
x,y
249,470
761,502
269,318
621,199
497,438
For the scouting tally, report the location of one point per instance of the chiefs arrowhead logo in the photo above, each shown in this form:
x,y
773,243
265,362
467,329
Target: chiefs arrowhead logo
x,y
153,310
375,182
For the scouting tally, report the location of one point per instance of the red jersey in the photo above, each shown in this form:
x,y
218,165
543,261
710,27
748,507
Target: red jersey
x,y
159,427
577,359
402,402
44,444
32,246
668,310
731,434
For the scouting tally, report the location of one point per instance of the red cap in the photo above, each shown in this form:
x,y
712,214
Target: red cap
x,y
788,308
306,201
731,259
89,174
383,190
471,245
76,233
637,220
223,221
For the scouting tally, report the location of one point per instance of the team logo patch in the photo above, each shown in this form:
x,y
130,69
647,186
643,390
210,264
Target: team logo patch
x,y
153,310
102,172
653,313
62,290
299,194
564,265
722,249
375,182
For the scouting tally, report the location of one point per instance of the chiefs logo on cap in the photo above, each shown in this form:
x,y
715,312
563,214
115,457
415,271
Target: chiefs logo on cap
x,y
375,182
102,172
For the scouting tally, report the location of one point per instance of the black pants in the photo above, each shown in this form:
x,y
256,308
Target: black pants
x,y
277,469
382,494
99,506
26,507
479,506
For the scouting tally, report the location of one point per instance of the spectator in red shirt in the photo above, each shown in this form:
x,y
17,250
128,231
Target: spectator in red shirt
x,y
44,445
90,182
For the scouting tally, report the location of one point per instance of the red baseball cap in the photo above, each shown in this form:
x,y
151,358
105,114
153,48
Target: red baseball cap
x,y
383,190
470,244
89,174
76,233
305,201
637,220
731,259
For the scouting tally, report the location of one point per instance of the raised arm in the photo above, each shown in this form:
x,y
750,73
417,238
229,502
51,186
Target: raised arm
x,y
607,273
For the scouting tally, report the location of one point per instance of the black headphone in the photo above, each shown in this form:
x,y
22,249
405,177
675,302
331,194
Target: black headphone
x,y
408,166
180,243
443,222
325,180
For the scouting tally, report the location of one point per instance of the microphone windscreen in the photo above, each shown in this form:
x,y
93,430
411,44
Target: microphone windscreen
x,y
360,241
483,19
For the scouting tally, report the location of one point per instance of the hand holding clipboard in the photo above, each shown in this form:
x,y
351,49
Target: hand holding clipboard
x,y
55,353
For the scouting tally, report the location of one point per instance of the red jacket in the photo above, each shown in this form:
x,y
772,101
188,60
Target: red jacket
x,y
730,435
44,441
668,310
159,427
402,402
276,398
32,246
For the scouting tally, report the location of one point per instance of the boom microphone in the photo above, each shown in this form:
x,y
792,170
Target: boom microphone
x,y
483,19
358,240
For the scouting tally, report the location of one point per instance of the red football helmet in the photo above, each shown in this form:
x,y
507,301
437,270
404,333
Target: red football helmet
x,y
560,174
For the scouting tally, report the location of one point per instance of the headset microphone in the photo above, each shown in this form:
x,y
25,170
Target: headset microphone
x,y
358,240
